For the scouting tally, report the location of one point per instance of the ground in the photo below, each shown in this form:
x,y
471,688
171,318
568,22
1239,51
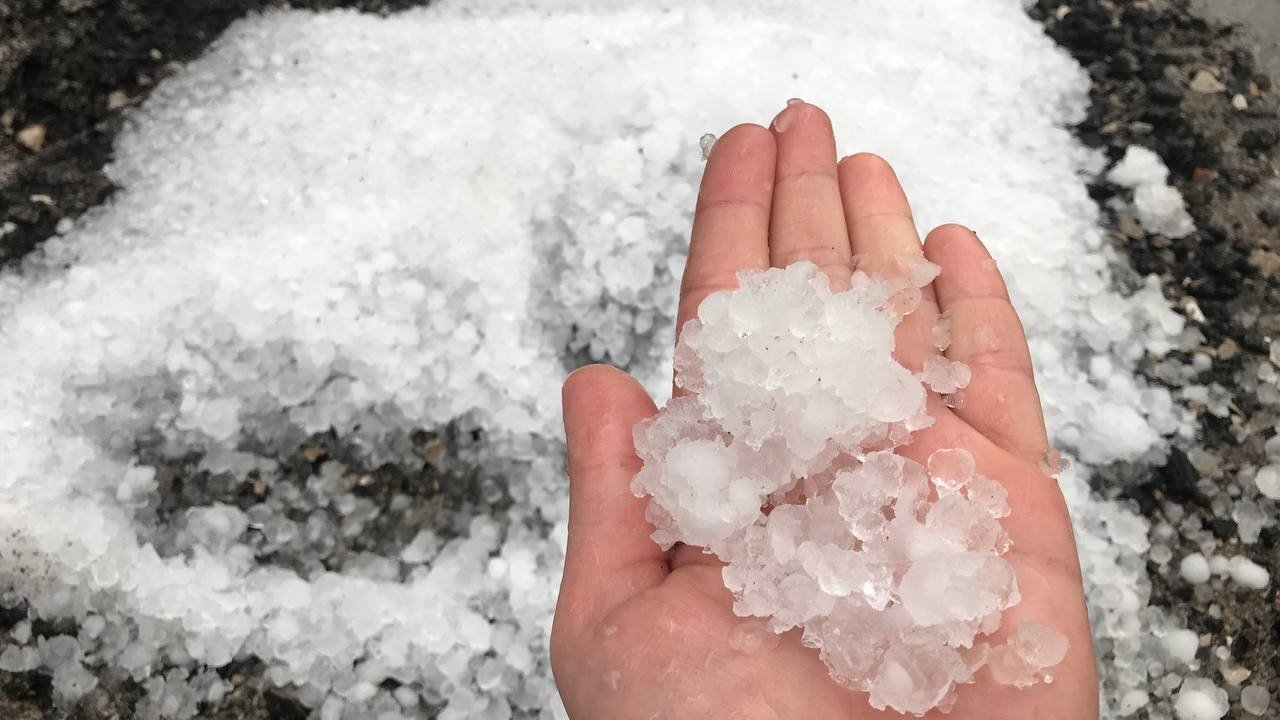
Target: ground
x,y
70,69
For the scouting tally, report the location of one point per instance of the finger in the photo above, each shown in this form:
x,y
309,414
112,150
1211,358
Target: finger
x,y
883,236
610,555
1001,399
807,222
731,223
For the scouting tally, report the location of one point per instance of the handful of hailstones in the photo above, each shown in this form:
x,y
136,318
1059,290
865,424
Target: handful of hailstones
x,y
778,458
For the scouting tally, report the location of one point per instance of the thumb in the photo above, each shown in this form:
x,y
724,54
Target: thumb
x,y
610,556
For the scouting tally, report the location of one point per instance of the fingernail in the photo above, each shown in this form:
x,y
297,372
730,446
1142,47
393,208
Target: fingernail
x,y
575,371
783,119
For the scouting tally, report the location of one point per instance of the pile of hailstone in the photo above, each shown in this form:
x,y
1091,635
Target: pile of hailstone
x,y
779,459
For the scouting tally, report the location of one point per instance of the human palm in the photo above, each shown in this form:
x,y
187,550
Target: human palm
x,y
650,634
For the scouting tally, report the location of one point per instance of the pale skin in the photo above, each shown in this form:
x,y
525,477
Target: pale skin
x,y
645,634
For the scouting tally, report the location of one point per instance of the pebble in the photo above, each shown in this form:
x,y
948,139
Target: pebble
x,y
1130,226
1205,82
1228,349
117,99
1259,138
32,137
1239,102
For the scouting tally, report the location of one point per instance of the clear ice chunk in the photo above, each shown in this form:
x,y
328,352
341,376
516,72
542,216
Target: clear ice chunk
x,y
779,458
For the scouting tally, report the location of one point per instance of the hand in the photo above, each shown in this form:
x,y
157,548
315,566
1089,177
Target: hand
x,y
647,634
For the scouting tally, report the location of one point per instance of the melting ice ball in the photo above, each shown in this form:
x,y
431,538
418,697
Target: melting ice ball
x,y
779,458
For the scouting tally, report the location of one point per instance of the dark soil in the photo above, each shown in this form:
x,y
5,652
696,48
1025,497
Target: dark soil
x,y
1142,58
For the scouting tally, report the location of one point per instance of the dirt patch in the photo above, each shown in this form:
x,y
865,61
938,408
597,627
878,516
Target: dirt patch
x,y
1167,79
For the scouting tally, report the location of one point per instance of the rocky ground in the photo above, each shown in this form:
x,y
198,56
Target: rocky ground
x,y
1164,77
1189,88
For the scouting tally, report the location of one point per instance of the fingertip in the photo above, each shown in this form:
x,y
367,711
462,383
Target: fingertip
x,y
952,235
868,162
968,267
870,187
594,389
749,132
871,173
588,375
800,114
745,139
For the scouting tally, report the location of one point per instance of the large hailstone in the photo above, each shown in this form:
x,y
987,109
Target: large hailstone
x,y
779,458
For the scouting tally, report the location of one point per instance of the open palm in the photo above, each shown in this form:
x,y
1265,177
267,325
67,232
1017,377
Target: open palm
x,y
649,634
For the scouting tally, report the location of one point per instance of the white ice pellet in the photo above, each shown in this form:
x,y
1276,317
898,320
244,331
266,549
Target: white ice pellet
x,y
1249,573
1250,519
1255,699
705,143
1200,699
1194,568
941,332
1267,480
1131,702
1220,565
945,376
1182,645
1159,205
951,468
774,407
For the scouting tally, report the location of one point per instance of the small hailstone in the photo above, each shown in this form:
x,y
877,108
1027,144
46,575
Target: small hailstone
x,y
612,679
945,376
1268,480
1194,568
1182,645
1200,699
1022,661
1255,700
941,332
1249,573
72,681
951,468
1132,701
1220,565
1053,463
1250,520
887,565
1161,554
705,143
16,659
1159,206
